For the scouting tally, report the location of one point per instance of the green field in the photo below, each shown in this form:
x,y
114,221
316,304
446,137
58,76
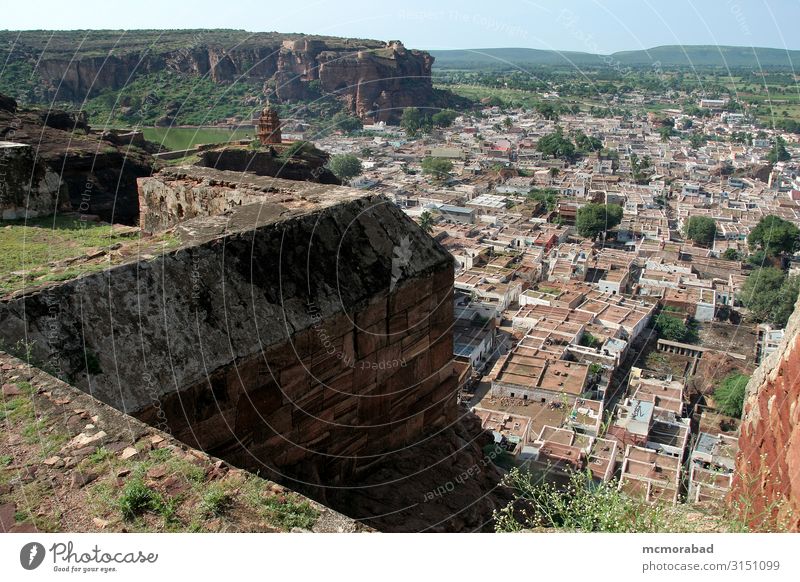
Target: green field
x,y
181,138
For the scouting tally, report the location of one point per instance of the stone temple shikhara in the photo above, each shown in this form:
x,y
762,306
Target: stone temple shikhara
x,y
269,126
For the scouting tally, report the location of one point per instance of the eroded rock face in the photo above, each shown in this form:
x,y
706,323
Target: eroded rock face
x,y
375,79
766,488
59,164
175,195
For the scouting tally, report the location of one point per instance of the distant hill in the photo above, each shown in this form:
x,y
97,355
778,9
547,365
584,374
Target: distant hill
x,y
666,56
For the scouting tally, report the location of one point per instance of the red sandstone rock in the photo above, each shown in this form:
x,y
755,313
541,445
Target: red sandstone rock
x,y
766,488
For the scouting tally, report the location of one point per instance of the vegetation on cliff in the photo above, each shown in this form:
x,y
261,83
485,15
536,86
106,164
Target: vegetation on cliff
x,y
581,505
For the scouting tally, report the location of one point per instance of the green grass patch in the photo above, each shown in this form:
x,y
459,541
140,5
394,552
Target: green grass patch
x,y
216,501
137,498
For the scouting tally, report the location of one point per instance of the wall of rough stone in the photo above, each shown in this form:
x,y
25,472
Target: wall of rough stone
x,y
176,195
301,337
766,487
27,188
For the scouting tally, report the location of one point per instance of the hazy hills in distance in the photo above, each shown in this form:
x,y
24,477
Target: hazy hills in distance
x,y
666,56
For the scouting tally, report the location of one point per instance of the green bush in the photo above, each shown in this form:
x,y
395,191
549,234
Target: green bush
x,y
730,394
672,328
581,506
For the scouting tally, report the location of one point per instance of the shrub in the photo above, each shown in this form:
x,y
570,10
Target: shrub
x,y
581,505
729,395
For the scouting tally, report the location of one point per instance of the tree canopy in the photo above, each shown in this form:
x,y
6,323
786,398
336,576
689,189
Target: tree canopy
x,y
547,111
346,122
641,169
413,121
345,166
436,167
701,229
778,152
769,295
444,118
673,328
587,143
556,145
594,219
731,254
774,235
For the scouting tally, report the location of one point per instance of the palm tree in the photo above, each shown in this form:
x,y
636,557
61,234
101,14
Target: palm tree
x,y
426,222
553,174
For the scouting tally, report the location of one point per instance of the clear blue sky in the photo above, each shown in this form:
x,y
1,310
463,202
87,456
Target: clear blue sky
x,y
586,25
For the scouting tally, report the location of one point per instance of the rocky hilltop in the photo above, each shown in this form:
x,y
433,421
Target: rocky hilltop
x,y
52,160
374,79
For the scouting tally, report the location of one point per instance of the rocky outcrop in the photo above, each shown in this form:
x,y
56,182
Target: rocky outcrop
x,y
175,195
766,487
375,79
55,162
307,164
306,336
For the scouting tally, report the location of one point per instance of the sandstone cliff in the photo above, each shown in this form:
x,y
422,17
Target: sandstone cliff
x,y
766,489
375,79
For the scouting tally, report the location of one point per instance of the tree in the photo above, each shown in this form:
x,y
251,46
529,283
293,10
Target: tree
x,y
640,168
774,235
346,123
345,166
769,295
547,111
729,395
701,229
556,145
296,148
778,152
587,143
546,196
696,140
672,328
413,121
426,221
594,219
588,340
439,168
507,123
731,254
666,132
444,118
787,297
